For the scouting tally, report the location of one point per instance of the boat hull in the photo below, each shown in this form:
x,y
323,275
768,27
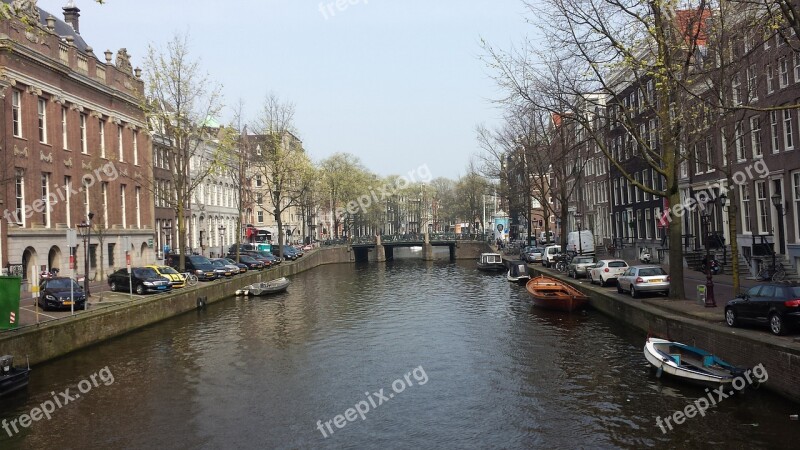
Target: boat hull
x,y
491,267
688,364
14,381
266,288
551,293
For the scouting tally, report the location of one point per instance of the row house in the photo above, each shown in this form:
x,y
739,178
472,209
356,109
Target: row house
x,y
74,146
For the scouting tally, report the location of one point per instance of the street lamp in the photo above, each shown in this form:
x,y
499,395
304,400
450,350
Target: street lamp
x,y
221,241
777,201
578,224
710,300
85,229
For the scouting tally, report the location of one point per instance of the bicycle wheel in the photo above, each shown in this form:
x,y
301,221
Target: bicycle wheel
x,y
191,279
779,275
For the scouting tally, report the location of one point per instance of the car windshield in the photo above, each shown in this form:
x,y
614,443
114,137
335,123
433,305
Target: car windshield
x,y
62,283
651,272
167,270
229,261
245,258
199,259
145,272
217,263
617,264
583,260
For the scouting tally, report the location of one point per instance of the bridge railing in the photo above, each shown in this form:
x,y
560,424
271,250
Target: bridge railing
x,y
419,237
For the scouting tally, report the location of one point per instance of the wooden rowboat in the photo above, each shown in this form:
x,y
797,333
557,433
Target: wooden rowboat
x,y
689,363
551,293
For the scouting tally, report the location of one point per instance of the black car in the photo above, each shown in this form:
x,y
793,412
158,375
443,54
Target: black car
x,y
774,304
145,279
61,292
249,261
289,253
196,264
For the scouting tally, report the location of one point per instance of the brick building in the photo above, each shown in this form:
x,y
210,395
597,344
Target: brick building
x,y
73,141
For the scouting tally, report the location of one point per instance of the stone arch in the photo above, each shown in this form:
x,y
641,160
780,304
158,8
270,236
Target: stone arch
x,y
30,269
54,258
144,254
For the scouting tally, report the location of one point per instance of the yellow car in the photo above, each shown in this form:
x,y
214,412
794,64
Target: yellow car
x,y
175,278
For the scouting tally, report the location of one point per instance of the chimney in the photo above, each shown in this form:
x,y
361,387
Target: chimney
x,y
71,14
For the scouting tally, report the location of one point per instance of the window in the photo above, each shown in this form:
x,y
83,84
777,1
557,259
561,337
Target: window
x,y
755,136
19,191
744,194
783,67
773,130
46,199
736,90
787,130
64,135
709,151
68,190
260,217
741,153
42,103
616,192
796,67
119,144
762,207
636,189
104,199
258,180
84,147
648,223
770,76
698,159
102,125
796,199
16,113
752,83
122,205
135,148
111,255
137,191
86,197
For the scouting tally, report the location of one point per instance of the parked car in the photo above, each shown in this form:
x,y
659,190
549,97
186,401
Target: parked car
x,y
266,261
545,238
606,270
273,260
61,292
250,262
242,267
533,255
774,304
579,266
223,269
144,280
549,255
175,278
638,279
198,265
289,253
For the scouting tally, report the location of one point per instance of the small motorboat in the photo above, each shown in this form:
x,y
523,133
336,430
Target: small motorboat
x,y
518,272
265,287
551,293
688,363
491,262
12,378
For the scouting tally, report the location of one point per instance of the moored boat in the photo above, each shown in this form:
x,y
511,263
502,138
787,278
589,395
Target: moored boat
x,y
491,262
688,363
551,293
518,272
12,378
265,288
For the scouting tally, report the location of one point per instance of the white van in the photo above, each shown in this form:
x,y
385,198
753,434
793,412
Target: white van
x,y
586,244
549,255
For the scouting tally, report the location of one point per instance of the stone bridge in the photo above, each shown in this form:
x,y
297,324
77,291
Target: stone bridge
x,y
462,246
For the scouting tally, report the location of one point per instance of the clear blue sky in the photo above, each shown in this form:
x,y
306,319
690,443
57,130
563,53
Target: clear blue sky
x,y
398,83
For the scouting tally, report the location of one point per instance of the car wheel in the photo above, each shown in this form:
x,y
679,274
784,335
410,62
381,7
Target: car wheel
x,y
776,324
602,281
619,287
140,289
730,317
633,292
113,286
43,305
591,280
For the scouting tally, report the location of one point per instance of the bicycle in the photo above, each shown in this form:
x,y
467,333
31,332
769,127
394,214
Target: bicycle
x,y
774,273
190,278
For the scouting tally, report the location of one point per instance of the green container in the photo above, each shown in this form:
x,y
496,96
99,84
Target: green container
x,y
263,247
9,302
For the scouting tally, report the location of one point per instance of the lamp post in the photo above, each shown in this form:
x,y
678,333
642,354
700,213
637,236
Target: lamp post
x,y
710,300
85,229
221,241
777,201
578,224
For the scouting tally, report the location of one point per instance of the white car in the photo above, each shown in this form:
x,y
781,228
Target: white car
x,y
549,255
606,270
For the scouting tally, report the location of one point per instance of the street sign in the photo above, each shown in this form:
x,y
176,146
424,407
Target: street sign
x,y
150,243
128,261
126,243
72,238
71,262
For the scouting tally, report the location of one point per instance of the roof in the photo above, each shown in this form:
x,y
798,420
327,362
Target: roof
x,y
62,28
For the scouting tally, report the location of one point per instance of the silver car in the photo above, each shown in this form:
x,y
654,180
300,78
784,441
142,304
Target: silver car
x,y
639,279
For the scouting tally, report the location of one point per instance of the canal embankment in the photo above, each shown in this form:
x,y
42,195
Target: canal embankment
x,y
51,339
684,321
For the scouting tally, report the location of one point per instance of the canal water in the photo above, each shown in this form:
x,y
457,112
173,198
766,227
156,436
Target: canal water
x,y
407,354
